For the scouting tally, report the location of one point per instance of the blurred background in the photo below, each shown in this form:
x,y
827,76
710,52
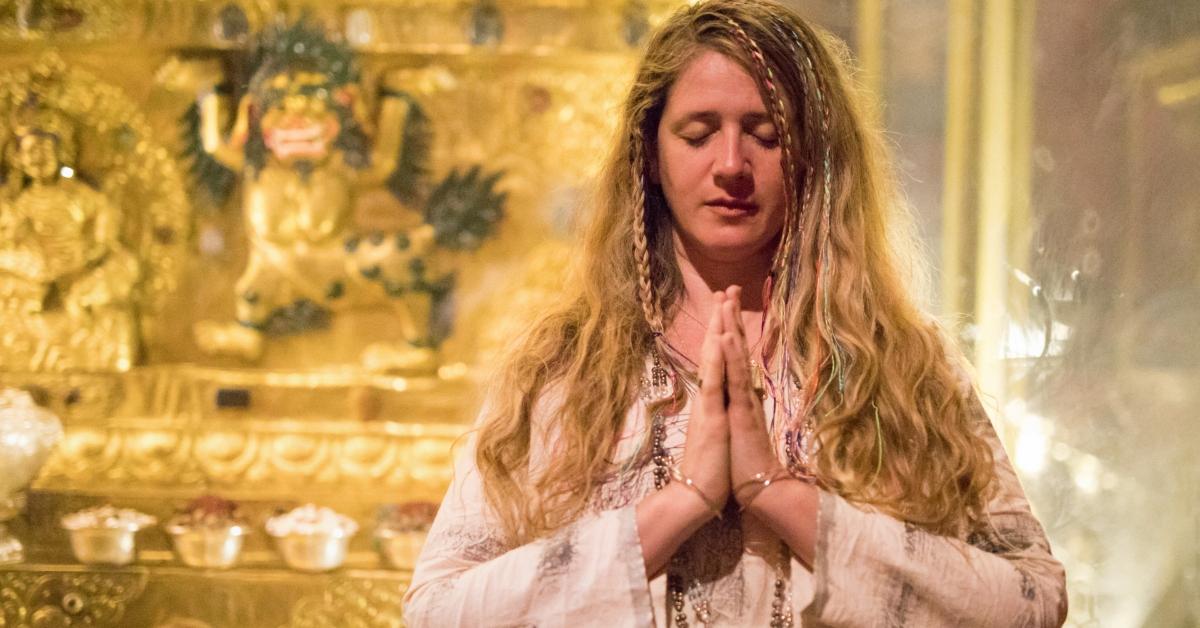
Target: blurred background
x,y
256,254
1045,147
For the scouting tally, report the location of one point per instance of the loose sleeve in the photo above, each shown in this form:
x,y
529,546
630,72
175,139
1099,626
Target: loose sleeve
x,y
871,569
590,573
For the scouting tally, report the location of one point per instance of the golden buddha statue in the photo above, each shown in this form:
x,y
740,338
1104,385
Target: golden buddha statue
x,y
65,276
304,147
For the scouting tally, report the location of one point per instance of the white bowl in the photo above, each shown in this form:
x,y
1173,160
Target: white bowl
x,y
316,552
209,547
103,546
400,547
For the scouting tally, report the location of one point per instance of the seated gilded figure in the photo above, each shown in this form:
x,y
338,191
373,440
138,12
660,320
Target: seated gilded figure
x,y
304,147
65,275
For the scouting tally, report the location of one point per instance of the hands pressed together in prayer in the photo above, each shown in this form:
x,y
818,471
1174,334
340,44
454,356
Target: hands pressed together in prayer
x,y
727,453
727,441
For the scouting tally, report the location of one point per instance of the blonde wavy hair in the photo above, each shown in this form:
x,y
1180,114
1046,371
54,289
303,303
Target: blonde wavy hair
x,y
893,428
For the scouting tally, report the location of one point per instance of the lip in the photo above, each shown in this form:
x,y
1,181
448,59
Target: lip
x,y
733,205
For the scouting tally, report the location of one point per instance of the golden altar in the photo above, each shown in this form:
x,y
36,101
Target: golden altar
x,y
264,250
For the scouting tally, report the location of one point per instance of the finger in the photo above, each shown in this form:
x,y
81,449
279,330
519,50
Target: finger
x,y
743,402
737,363
712,362
716,321
735,294
731,315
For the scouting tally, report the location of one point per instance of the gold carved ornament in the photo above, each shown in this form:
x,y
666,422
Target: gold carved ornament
x,y
120,193
403,458
46,600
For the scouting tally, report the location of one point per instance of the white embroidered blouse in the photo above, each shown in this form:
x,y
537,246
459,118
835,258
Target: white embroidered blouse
x,y
870,568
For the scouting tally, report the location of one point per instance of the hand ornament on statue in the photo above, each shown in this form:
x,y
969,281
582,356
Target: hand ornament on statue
x,y
106,285
241,122
87,294
752,458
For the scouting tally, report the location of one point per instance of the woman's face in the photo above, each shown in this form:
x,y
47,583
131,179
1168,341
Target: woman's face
x,y
718,162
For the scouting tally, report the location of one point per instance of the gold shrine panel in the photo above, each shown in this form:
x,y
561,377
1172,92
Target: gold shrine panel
x,y
208,313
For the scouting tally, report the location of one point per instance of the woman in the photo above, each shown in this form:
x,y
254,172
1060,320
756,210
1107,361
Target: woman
x,y
737,416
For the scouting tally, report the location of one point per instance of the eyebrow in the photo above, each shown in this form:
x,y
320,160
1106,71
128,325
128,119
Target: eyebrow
x,y
709,117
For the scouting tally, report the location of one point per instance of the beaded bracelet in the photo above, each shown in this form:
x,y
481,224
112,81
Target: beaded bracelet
x,y
678,476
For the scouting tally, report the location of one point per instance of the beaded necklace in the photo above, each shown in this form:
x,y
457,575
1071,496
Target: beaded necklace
x,y
781,611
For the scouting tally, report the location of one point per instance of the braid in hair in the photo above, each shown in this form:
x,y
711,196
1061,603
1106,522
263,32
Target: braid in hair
x,y
840,367
775,107
816,117
658,386
808,71
641,246
813,110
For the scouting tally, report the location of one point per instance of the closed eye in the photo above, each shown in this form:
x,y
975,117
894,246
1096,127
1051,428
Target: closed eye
x,y
768,142
765,134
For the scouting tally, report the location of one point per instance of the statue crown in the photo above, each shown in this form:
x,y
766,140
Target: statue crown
x,y
34,117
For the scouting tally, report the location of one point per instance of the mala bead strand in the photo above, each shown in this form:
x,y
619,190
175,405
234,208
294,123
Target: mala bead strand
x,y
781,609
662,475
675,587
703,612
658,452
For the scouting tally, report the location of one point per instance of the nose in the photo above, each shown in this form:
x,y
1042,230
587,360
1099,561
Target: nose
x,y
295,103
731,170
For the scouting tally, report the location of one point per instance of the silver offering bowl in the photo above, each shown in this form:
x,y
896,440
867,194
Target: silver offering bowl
x,y
322,551
105,535
400,547
28,433
207,546
103,546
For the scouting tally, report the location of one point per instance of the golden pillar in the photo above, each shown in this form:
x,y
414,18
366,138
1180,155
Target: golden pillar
x,y
986,198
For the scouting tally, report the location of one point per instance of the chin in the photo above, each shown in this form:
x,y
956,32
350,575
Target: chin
x,y
734,250
731,243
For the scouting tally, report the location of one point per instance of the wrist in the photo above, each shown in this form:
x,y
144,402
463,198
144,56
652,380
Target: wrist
x,y
713,505
751,489
682,507
665,519
745,487
780,499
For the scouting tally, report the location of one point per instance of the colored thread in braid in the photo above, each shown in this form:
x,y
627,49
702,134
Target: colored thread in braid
x,y
784,265
878,443
808,87
838,365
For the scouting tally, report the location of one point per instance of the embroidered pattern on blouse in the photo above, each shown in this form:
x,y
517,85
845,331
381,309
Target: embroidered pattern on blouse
x,y
1020,534
915,540
1028,587
896,615
557,554
472,543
